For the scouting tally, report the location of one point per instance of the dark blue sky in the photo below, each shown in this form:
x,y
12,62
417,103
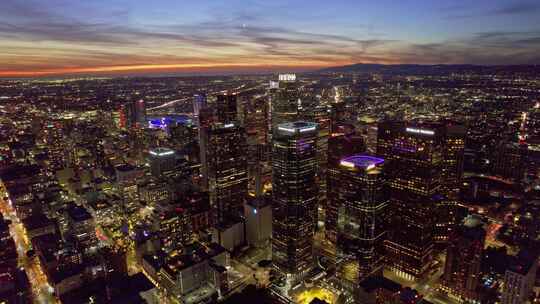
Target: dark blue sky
x,y
61,36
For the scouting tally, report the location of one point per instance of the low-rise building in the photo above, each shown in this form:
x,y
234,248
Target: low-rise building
x,y
519,278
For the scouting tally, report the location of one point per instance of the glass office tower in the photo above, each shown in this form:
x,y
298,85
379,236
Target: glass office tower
x,y
413,156
227,171
294,190
361,217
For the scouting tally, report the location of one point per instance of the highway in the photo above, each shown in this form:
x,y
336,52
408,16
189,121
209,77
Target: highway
x,y
237,90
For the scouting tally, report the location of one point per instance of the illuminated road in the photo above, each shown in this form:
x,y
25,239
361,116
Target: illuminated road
x,y
426,286
41,290
236,90
169,103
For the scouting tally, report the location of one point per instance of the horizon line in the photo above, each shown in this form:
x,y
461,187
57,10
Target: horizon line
x,y
207,69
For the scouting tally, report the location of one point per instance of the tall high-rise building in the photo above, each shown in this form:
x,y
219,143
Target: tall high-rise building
x,y
362,217
284,102
369,133
449,213
133,114
140,112
126,184
199,102
125,113
256,121
226,158
161,160
313,112
205,120
509,160
55,145
413,162
340,145
227,108
454,146
184,138
461,276
294,190
256,124
339,116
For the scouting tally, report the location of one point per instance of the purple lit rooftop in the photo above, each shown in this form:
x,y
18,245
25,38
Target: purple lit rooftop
x,y
361,161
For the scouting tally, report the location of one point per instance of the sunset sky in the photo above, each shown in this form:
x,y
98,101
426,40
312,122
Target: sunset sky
x,y
50,37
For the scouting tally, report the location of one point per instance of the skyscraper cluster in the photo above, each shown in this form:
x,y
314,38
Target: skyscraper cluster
x,y
299,191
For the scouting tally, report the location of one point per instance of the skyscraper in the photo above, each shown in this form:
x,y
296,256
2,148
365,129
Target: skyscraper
x,y
226,108
463,257
126,115
339,116
449,213
454,145
54,137
161,160
256,121
199,102
126,183
133,114
294,190
362,216
340,145
184,138
284,101
140,112
509,160
205,120
256,124
227,171
413,161
313,112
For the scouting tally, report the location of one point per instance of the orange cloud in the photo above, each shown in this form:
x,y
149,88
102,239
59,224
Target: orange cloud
x,y
156,68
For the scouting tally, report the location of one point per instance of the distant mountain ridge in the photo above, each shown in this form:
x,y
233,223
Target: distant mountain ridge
x,y
436,69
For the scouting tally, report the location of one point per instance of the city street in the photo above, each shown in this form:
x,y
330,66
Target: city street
x,y
41,290
427,286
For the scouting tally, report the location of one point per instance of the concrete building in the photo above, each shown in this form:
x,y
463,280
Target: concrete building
x,y
519,278
161,160
258,214
461,276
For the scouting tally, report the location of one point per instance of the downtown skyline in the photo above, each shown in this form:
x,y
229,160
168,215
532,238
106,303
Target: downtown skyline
x,y
50,38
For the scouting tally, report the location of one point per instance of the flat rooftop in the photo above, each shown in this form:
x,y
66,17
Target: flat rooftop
x,y
161,151
297,127
37,221
78,213
361,161
193,254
